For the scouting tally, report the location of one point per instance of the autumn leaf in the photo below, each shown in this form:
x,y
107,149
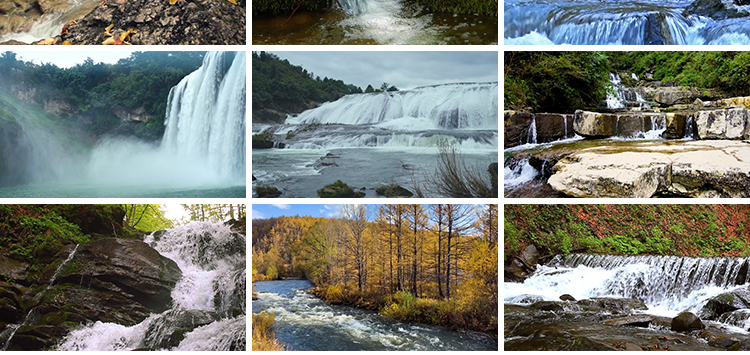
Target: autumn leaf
x,y
233,2
48,41
67,43
109,41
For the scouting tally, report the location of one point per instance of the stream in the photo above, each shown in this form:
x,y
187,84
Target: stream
x,y
375,22
304,322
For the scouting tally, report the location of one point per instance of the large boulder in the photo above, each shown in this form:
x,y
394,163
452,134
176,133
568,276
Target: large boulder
x,y
130,268
676,123
671,95
553,126
522,265
727,302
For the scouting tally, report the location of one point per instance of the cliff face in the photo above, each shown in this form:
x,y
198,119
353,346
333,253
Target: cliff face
x,y
686,230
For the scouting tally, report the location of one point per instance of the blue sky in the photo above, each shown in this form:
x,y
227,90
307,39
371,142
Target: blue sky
x,y
276,210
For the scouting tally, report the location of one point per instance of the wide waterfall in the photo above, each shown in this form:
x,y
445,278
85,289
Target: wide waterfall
x,y
209,299
667,284
450,106
204,139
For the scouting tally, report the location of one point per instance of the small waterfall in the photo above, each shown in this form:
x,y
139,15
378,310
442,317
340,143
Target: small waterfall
x,y
565,125
468,106
11,329
354,7
531,137
210,295
689,127
518,173
615,100
658,127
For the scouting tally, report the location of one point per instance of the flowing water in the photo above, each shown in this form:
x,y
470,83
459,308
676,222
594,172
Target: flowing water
x,y
667,284
304,322
51,23
368,140
202,153
375,22
213,261
618,22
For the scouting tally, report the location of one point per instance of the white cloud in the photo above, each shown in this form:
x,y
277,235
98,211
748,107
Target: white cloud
x,y
257,214
282,206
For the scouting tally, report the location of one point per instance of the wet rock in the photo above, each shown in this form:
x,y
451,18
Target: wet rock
x,y
653,31
516,128
553,306
14,269
553,126
642,321
339,189
727,302
11,309
738,318
393,190
595,124
130,268
169,331
715,9
206,22
265,191
685,322
616,305
632,347
675,125
567,297
522,265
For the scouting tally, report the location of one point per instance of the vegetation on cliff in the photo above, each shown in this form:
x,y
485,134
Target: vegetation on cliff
x,y
428,264
683,230
90,95
565,81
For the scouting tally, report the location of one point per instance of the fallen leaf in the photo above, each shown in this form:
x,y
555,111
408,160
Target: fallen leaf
x,y
67,43
110,40
233,2
48,41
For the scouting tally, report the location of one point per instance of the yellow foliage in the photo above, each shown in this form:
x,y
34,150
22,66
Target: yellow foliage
x,y
334,294
263,336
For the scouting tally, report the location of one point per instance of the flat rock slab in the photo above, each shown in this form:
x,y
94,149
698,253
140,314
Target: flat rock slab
x,y
716,168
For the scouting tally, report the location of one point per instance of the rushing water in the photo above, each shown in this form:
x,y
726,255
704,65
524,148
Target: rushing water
x,y
395,134
375,22
304,322
213,261
667,284
617,22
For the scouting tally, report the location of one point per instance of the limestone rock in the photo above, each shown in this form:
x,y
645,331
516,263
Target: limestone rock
x,y
675,125
722,123
516,128
553,126
595,124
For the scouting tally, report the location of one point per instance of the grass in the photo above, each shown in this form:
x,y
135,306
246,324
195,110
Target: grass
x,y
453,178
264,338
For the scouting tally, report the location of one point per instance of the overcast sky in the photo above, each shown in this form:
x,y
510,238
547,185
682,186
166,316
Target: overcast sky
x,y
405,70
67,59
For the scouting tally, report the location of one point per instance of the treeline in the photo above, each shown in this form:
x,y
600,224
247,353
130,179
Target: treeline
x,y
279,85
683,230
566,81
96,91
434,264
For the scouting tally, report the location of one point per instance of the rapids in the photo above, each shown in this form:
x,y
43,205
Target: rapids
x,y
213,261
304,322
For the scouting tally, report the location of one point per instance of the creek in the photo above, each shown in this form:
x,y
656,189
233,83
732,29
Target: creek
x,y
208,303
304,322
375,22
618,23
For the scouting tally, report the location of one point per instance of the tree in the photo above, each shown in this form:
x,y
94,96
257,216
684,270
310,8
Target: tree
x,y
147,218
355,219
369,89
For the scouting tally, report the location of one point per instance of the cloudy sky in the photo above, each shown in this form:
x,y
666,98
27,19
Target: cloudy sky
x,y
405,70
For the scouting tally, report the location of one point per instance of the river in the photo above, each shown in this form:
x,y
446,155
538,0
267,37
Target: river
x,y
376,22
304,322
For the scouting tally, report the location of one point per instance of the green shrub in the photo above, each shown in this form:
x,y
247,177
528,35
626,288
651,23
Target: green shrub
x,y
337,190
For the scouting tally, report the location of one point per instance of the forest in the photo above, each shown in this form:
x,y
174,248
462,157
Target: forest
x,y
278,85
433,264
95,91
566,81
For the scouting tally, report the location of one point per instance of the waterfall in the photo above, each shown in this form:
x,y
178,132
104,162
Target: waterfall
x,y
519,173
669,283
689,127
210,295
204,138
205,119
531,138
354,7
615,100
467,106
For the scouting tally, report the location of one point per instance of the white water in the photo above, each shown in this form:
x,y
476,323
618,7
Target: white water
x,y
522,173
204,139
213,262
449,106
667,284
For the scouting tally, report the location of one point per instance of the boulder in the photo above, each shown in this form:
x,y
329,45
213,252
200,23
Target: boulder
x,y
567,297
595,124
516,128
722,123
685,322
715,9
614,305
641,320
265,191
553,126
671,95
395,190
727,302
522,265
130,268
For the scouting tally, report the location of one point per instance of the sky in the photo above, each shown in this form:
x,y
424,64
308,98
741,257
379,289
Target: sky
x,y
405,70
67,59
276,210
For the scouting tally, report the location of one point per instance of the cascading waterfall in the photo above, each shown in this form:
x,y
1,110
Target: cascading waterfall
x,y
531,138
204,138
211,294
449,106
668,284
